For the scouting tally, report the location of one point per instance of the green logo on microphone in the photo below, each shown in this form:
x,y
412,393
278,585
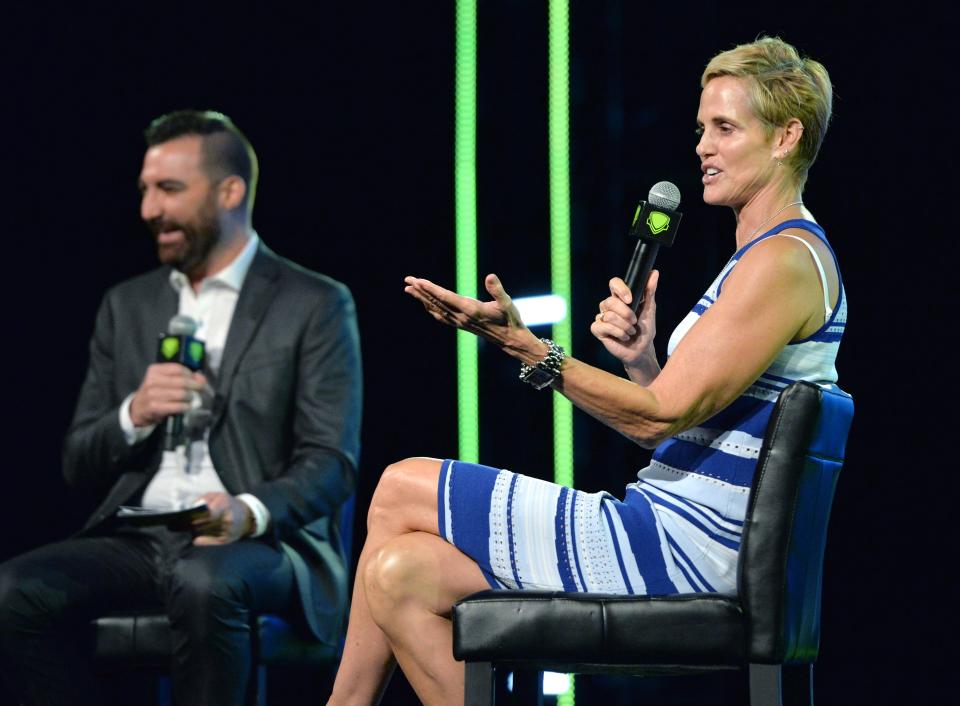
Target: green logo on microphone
x,y
196,353
170,347
658,222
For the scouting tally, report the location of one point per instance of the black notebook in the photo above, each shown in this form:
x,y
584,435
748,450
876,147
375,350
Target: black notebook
x,y
146,516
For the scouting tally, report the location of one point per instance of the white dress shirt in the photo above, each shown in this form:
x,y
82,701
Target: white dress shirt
x,y
187,472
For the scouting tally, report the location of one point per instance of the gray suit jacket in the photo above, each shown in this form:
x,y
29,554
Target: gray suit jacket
x,y
286,415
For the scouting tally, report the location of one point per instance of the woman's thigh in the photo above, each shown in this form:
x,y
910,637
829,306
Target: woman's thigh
x,y
406,497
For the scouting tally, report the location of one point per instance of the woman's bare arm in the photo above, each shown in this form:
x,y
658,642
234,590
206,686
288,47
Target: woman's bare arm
x,y
767,299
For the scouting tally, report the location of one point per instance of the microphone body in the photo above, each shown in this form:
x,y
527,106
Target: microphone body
x,y
638,271
179,345
655,224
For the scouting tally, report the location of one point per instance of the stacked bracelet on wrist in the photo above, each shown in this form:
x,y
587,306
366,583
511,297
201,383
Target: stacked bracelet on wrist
x,y
547,370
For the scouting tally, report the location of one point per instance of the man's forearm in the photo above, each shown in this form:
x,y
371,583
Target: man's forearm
x,y
96,451
314,487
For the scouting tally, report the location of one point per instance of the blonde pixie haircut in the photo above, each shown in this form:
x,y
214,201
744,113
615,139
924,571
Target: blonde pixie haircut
x,y
782,85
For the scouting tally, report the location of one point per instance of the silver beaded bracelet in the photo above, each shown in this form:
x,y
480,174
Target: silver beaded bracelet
x,y
547,370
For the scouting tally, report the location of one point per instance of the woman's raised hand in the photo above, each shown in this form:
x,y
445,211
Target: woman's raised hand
x,y
627,337
497,320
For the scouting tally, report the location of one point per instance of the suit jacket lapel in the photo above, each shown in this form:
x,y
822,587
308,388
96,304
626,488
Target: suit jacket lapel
x,y
156,317
255,296
153,314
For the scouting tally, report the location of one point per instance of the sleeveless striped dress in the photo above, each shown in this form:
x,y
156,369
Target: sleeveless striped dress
x,y
678,528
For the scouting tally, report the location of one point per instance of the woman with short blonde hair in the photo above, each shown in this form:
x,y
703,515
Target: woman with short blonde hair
x,y
441,530
781,85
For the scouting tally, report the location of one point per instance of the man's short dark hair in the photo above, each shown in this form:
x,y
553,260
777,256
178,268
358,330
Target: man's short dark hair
x,y
226,150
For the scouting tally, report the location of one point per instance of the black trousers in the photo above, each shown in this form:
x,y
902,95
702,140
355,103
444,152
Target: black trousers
x,y
49,596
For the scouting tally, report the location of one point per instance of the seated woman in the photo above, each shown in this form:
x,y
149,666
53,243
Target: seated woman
x,y
441,530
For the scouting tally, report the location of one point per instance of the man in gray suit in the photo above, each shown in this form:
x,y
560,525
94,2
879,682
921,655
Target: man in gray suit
x,y
271,444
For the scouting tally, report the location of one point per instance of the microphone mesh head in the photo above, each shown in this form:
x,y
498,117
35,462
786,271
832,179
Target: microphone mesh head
x,y
664,194
181,325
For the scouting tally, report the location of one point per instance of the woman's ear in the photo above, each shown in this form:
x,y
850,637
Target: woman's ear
x,y
786,138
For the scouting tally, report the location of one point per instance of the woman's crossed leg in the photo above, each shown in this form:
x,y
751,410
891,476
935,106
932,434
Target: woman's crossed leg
x,y
408,578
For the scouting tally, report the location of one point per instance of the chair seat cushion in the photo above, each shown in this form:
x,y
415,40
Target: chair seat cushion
x,y
143,637
146,639
599,629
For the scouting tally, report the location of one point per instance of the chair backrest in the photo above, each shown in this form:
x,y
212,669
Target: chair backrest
x,y
781,555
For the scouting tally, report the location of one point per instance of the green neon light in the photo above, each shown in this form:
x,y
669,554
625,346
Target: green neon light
x,y
566,698
558,128
559,153
465,218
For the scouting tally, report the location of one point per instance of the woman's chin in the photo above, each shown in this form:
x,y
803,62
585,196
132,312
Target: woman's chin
x,y
716,197
712,198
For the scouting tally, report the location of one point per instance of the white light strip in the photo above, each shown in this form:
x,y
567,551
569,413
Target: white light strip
x,y
554,683
542,310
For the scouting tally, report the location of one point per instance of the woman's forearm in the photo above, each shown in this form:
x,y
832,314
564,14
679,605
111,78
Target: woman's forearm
x,y
624,405
628,407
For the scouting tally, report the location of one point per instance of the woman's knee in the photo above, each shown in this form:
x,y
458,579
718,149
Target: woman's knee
x,y
395,575
417,572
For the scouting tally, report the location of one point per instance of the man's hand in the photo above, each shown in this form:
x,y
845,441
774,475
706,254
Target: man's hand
x,y
167,388
227,520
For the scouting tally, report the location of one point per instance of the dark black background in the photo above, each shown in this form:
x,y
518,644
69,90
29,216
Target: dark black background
x,y
350,108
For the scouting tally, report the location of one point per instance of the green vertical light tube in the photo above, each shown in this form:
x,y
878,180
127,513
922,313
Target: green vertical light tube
x,y
559,155
558,128
465,218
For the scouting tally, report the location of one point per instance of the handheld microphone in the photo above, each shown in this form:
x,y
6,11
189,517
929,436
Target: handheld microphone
x,y
178,345
654,224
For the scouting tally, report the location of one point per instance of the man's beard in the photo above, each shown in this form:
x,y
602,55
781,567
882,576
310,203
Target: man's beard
x,y
189,254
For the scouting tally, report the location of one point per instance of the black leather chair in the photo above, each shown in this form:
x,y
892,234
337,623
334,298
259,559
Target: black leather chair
x,y
770,629
142,641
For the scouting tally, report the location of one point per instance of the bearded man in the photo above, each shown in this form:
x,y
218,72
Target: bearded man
x,y
270,447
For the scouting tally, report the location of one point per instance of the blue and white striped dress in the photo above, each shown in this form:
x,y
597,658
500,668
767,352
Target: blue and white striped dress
x,y
678,528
